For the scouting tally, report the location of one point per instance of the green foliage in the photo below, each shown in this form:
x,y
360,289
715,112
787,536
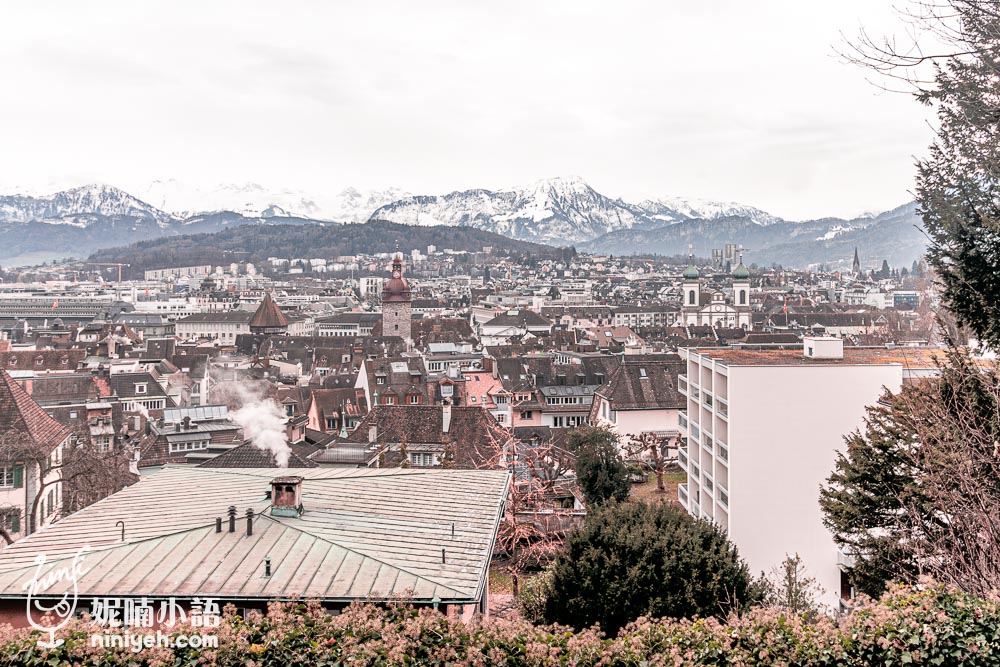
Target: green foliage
x,y
958,185
918,489
927,625
533,595
600,470
632,559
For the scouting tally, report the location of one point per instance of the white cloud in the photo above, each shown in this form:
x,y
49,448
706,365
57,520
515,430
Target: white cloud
x,y
737,100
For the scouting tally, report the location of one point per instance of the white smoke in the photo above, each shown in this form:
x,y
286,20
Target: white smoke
x,y
260,417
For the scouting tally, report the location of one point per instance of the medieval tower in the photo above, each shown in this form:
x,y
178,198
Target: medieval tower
x,y
397,303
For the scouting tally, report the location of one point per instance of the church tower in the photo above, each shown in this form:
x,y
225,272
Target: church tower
x,y
741,293
692,285
397,303
856,266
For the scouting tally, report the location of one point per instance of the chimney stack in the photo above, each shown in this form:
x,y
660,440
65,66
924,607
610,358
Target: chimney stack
x,y
249,522
446,416
232,518
286,496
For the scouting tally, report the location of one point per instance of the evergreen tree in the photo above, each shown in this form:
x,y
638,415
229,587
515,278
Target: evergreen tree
x,y
632,559
600,471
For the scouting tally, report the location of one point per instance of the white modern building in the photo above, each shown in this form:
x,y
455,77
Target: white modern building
x,y
761,433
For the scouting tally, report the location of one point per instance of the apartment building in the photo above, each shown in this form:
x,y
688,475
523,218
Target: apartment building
x,y
760,436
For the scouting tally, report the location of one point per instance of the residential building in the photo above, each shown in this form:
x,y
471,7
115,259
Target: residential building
x,y
762,429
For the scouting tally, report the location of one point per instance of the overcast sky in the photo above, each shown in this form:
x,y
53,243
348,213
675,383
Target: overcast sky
x,y
730,99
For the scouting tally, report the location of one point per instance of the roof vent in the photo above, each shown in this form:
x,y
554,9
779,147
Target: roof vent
x,y
286,496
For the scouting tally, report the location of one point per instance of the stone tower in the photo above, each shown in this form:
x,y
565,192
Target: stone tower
x,y
397,303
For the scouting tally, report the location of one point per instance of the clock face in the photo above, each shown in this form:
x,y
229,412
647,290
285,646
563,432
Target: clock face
x,y
395,274
718,308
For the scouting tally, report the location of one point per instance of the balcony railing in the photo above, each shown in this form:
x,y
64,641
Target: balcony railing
x,y
723,497
722,409
694,431
709,484
723,452
706,398
682,494
682,384
682,459
682,420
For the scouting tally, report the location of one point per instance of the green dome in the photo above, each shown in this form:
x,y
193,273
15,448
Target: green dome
x,y
691,273
741,272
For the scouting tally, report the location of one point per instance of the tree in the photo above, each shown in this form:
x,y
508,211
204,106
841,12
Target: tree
x,y
792,589
918,491
633,559
958,183
600,470
657,449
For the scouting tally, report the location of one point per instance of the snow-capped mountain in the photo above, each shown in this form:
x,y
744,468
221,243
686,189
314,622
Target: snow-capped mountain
x,y
257,201
559,211
79,207
678,209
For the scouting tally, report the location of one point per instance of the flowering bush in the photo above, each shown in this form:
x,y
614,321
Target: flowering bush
x,y
927,625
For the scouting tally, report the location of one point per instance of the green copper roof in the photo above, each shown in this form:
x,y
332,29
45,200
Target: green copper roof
x,y
691,273
741,272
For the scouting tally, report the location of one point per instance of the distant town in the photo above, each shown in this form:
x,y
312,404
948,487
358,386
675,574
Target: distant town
x,y
345,371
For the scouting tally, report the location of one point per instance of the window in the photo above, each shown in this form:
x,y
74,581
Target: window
x,y
422,459
182,447
7,476
331,423
414,399
103,444
691,298
472,398
390,400
743,297
526,414
140,388
642,372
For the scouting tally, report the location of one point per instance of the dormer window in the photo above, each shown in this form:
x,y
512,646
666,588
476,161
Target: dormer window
x,y
642,373
12,362
39,360
64,361
140,387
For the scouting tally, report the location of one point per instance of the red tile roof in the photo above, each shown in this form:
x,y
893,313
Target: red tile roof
x,y
20,413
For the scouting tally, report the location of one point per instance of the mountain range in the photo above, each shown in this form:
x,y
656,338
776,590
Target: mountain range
x,y
555,212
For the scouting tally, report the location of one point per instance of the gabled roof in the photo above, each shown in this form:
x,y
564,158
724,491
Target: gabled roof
x,y
365,533
20,414
648,382
249,455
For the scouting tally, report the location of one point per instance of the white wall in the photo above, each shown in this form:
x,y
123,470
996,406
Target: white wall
x,y
786,424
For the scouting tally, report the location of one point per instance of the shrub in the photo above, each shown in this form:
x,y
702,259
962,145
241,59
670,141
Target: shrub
x,y
633,560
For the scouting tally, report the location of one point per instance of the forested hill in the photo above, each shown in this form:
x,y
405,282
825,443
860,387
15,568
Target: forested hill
x,y
255,243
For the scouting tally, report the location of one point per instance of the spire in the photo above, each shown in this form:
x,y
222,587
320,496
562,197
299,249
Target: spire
x,y
691,273
856,266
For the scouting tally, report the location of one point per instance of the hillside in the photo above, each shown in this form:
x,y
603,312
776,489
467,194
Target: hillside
x,y
282,237
896,235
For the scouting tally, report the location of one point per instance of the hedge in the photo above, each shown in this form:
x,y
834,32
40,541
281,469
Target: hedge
x,y
922,625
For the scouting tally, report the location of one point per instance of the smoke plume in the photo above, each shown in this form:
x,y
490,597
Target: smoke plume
x,y
260,417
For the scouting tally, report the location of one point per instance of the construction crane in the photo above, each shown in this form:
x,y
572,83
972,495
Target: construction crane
x,y
118,264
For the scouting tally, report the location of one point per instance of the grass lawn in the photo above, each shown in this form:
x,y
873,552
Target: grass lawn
x,y
647,490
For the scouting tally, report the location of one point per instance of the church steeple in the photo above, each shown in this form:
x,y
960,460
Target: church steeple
x,y
856,266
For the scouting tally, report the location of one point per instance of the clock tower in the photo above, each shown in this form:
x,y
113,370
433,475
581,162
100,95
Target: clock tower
x,y
397,303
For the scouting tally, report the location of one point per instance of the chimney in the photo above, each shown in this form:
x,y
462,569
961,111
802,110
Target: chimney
x,y
187,423
286,496
446,416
